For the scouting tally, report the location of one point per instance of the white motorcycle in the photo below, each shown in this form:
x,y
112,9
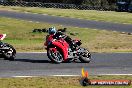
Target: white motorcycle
x,y
7,51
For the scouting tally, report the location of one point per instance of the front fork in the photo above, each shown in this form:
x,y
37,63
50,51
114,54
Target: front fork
x,y
1,45
0,48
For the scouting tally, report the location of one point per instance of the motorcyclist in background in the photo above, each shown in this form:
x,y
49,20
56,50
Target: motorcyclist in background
x,y
2,36
58,34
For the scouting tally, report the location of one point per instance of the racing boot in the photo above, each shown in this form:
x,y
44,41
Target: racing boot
x,y
73,46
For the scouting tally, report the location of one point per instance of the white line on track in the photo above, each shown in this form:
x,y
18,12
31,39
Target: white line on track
x,y
117,74
26,12
30,21
44,14
23,76
72,75
32,52
47,75
35,13
65,75
114,31
97,74
37,22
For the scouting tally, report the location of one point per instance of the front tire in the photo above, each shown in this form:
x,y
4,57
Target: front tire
x,y
54,54
85,55
10,53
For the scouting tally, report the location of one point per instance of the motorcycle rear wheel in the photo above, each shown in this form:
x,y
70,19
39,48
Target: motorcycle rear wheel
x,y
9,54
55,57
85,56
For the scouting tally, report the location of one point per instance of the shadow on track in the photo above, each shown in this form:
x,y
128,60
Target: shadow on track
x,y
41,61
33,61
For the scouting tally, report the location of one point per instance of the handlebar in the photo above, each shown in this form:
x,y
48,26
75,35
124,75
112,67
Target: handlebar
x,y
63,36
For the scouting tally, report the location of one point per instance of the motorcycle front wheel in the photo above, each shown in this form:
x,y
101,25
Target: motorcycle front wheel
x,y
9,52
54,55
85,55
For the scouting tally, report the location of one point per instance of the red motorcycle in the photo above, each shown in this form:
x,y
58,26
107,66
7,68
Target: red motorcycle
x,y
58,50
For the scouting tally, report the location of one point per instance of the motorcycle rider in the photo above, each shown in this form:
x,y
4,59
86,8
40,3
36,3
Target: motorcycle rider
x,y
2,36
58,34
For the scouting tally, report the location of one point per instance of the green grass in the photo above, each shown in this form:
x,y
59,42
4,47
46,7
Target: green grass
x,y
56,82
108,16
19,34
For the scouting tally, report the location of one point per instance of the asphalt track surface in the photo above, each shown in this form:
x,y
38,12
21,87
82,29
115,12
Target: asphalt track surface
x,y
68,21
38,64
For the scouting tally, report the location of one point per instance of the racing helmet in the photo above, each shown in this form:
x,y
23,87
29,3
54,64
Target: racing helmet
x,y
52,30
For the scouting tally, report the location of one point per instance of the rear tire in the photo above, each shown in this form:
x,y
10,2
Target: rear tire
x,y
55,57
85,56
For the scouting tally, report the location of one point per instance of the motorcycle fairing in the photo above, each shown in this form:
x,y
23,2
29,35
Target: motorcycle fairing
x,y
63,46
49,38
